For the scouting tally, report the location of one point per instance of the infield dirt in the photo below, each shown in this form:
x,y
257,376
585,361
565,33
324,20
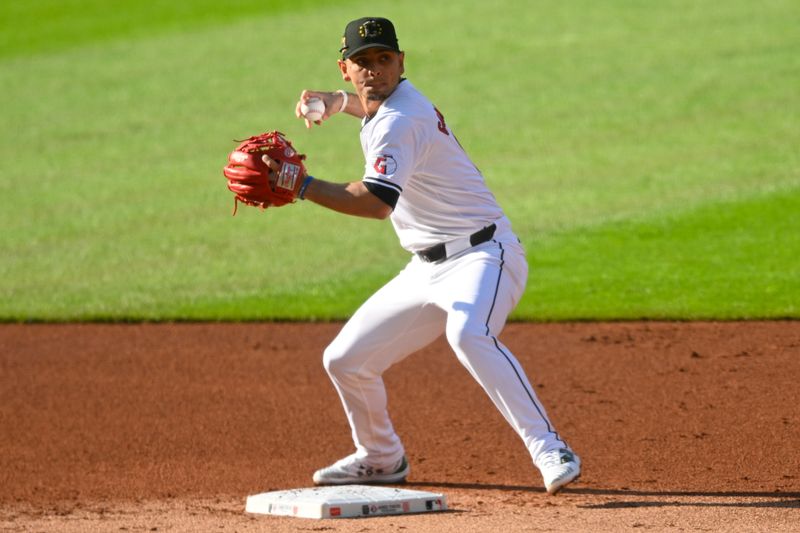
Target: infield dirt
x,y
168,427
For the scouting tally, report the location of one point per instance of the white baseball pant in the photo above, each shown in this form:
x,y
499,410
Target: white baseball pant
x,y
467,297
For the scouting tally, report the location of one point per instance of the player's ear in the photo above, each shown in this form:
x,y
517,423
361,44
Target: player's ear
x,y
402,65
343,70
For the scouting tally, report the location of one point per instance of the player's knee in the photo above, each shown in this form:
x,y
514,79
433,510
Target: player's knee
x,y
338,361
332,360
464,339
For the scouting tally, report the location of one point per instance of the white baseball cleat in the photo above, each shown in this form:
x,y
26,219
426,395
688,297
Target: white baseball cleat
x,y
351,470
559,467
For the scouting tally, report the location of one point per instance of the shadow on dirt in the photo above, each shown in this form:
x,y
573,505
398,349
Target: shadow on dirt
x,y
774,504
783,500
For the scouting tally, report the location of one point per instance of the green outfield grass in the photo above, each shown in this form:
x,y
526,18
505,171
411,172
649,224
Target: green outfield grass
x,y
647,154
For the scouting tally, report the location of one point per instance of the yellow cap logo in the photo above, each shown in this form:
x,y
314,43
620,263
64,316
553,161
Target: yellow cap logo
x,y
370,29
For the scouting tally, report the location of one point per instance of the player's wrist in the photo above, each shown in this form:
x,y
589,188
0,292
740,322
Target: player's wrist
x,y
345,99
301,193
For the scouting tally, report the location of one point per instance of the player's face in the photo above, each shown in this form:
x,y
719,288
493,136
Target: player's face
x,y
374,72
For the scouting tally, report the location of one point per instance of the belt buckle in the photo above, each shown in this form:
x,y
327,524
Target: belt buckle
x,y
434,254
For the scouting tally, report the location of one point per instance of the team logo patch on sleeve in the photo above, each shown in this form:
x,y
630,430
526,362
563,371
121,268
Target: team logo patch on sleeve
x,y
385,164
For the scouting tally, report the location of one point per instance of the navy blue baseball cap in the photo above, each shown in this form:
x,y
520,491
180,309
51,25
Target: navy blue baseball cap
x,y
368,32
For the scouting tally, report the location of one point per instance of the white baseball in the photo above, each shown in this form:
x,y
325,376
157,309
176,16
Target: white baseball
x,y
313,108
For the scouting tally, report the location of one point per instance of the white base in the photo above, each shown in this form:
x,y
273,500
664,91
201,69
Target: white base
x,y
345,501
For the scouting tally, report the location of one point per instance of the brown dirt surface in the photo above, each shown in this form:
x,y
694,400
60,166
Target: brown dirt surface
x,y
168,427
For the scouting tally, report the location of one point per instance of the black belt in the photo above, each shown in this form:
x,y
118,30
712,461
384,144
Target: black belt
x,y
438,253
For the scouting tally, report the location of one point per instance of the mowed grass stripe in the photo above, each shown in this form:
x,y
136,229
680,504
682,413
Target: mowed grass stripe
x,y
729,260
42,26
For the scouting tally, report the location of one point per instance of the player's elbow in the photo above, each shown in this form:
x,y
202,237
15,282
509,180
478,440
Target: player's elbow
x,y
374,207
379,200
381,212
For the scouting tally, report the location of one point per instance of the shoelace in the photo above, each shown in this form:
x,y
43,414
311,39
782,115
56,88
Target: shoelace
x,y
551,459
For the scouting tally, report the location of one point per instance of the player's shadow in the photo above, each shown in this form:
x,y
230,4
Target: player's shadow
x,y
774,504
773,500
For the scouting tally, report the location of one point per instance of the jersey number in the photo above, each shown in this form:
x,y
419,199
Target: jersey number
x,y
443,128
441,125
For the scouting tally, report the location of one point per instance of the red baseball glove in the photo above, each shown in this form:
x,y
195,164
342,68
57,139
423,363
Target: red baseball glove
x,y
254,182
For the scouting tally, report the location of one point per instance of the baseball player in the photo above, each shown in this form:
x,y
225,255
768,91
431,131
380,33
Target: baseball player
x,y
466,274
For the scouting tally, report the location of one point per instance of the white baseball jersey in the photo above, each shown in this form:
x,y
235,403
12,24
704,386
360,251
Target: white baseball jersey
x,y
409,149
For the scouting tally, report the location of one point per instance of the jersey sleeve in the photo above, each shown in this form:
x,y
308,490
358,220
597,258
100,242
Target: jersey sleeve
x,y
390,155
